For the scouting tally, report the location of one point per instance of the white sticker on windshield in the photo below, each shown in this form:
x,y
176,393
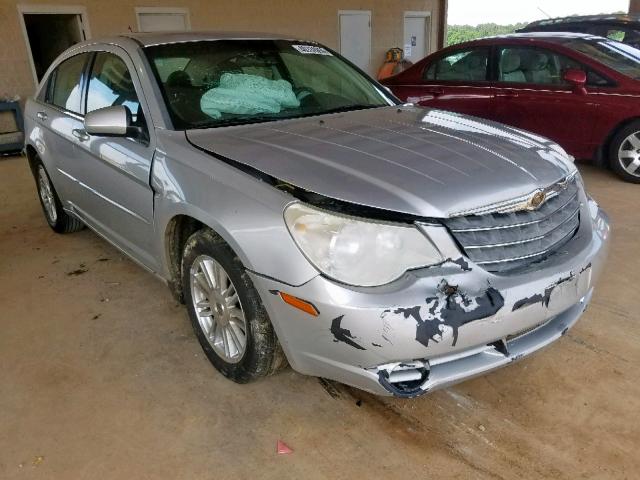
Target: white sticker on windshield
x,y
312,49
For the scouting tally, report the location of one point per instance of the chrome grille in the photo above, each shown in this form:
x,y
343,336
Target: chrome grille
x,y
501,242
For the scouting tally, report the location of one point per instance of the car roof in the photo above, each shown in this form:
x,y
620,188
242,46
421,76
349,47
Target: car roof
x,y
543,37
547,36
622,18
161,38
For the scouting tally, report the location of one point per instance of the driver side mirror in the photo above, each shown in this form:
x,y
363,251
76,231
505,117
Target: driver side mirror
x,y
112,121
577,78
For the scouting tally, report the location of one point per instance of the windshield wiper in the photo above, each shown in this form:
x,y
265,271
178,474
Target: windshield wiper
x,y
347,108
248,119
229,122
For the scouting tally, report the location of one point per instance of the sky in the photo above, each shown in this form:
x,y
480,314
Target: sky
x,y
505,12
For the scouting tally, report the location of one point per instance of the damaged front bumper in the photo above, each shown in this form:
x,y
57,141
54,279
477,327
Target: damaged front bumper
x,y
440,325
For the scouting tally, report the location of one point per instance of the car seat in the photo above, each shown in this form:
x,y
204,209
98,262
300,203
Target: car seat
x,y
184,97
510,68
538,69
446,71
476,67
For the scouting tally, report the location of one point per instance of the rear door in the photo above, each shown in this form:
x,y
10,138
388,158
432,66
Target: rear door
x,y
59,116
531,94
456,81
118,199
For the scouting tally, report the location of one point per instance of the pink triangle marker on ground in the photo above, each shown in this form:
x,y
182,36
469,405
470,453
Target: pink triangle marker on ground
x,y
282,448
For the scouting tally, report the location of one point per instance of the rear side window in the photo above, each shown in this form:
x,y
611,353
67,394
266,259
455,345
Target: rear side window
x,y
64,88
462,66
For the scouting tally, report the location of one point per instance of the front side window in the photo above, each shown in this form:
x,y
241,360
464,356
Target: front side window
x,y
463,66
225,82
110,84
64,87
539,66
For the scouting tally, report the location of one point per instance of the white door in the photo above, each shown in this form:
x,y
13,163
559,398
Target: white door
x,y
355,37
158,21
416,36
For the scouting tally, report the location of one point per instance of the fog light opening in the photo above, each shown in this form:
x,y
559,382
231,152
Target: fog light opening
x,y
404,379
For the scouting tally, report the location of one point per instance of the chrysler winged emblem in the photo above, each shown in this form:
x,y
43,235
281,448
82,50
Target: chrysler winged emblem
x,y
536,200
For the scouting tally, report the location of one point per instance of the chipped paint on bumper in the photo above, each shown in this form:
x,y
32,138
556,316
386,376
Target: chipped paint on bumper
x,y
361,332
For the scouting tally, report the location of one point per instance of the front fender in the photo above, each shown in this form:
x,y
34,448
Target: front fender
x,y
246,212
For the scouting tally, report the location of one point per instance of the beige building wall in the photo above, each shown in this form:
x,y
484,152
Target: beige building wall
x,y
313,19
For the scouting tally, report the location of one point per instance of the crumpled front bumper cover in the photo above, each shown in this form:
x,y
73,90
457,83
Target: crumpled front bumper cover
x,y
451,369
436,326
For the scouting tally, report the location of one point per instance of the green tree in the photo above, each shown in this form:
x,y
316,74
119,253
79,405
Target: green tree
x,y
464,33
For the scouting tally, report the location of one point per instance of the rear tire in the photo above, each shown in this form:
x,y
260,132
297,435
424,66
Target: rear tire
x,y
59,220
226,311
624,153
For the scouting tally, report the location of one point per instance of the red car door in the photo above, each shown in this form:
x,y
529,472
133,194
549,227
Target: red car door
x,y
531,93
456,81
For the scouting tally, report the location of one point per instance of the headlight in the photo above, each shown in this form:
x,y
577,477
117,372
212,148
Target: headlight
x,y
358,252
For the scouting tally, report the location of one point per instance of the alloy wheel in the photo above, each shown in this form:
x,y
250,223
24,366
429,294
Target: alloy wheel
x,y
46,195
629,154
218,308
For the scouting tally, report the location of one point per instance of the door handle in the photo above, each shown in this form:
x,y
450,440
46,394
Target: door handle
x,y
81,135
42,115
435,91
507,94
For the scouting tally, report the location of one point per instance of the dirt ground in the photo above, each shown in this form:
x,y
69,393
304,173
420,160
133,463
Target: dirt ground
x,y
102,378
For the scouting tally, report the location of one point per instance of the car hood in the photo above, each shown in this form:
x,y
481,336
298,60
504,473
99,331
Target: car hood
x,y
417,161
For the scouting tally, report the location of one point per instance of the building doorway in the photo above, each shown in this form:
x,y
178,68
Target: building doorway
x,y
49,31
417,32
355,37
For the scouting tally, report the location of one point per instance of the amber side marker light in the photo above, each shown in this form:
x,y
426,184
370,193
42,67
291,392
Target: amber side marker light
x,y
296,302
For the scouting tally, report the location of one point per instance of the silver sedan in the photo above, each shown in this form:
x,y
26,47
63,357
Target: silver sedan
x,y
304,215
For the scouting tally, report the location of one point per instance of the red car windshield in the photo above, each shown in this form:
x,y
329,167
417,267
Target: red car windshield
x,y
622,58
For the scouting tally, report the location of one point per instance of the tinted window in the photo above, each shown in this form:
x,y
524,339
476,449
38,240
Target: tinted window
x,y
539,66
110,84
63,87
464,65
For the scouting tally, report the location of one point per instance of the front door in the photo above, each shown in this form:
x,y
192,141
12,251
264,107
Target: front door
x,y
531,94
115,171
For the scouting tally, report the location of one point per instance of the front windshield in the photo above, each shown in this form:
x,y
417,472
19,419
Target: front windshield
x,y
229,82
620,57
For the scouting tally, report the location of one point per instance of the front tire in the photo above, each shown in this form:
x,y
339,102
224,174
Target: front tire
x,y
624,153
226,311
59,220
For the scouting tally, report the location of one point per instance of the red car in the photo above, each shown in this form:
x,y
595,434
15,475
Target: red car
x,y
581,91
